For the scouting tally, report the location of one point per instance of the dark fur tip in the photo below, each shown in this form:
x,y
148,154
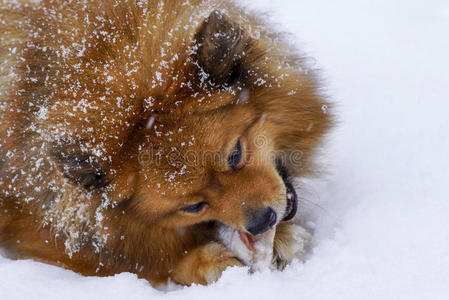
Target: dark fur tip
x,y
221,46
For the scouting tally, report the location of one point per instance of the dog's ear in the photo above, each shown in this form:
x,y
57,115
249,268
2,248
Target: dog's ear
x,y
83,169
221,45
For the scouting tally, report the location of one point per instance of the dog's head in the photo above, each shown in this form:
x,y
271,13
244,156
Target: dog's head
x,y
228,150
217,165
220,140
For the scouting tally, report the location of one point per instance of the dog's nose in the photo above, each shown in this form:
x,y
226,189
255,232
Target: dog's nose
x,y
263,220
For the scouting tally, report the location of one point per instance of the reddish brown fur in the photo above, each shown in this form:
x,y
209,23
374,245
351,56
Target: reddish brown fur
x,y
92,188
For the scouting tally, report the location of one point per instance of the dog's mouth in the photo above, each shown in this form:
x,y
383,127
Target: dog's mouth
x,y
290,212
292,197
292,202
248,239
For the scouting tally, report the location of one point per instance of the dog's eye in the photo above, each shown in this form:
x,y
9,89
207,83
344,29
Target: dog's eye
x,y
235,156
196,208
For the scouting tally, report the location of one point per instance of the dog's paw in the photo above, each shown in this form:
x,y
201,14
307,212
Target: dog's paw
x,y
290,242
204,265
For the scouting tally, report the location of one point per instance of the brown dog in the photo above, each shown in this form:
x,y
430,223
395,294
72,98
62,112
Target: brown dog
x,y
129,130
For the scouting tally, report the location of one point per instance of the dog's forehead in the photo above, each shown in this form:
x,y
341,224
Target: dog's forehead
x,y
201,125
204,99
209,100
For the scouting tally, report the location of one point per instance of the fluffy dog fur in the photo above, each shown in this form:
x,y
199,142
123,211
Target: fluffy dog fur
x,y
116,117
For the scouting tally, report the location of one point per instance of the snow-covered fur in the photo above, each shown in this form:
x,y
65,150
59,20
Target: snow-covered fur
x,y
119,124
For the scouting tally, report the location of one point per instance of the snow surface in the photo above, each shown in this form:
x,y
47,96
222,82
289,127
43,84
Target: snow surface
x,y
382,214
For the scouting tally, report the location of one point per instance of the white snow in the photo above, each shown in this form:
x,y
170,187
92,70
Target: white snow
x,y
381,216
